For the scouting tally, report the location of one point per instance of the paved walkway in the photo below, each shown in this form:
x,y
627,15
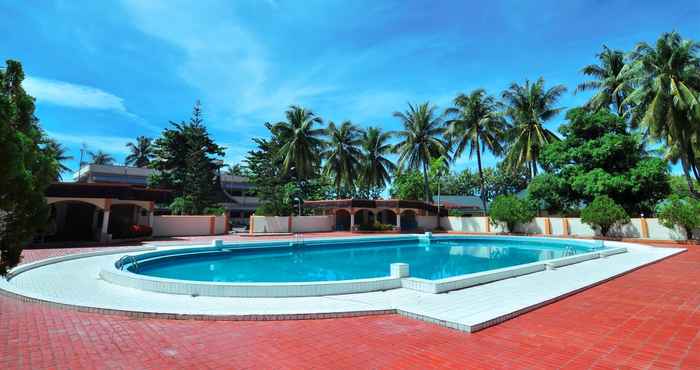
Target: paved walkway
x,y
649,318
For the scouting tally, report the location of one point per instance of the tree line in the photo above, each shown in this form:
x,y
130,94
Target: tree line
x,y
642,98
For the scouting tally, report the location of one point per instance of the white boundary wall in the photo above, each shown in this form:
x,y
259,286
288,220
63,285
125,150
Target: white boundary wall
x,y
188,225
305,224
633,229
427,222
270,224
300,224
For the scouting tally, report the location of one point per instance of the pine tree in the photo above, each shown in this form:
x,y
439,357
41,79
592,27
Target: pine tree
x,y
27,167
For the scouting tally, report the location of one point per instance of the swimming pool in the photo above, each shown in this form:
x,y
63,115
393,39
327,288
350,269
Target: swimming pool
x,y
298,268
441,258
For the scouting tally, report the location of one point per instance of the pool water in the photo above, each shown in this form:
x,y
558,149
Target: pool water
x,y
358,260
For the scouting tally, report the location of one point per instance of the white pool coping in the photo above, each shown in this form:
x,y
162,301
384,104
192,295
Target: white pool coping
x,y
63,281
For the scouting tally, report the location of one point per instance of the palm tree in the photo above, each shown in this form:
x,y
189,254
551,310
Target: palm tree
x,y
234,169
421,140
58,152
477,125
342,154
300,151
529,106
376,167
141,152
101,158
665,99
609,80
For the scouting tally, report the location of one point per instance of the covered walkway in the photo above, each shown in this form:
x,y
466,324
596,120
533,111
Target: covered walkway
x,y
351,213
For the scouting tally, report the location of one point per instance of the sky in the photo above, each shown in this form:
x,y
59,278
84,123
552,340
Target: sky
x,y
105,72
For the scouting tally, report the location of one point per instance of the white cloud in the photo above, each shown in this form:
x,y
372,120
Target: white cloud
x,y
72,95
79,96
114,145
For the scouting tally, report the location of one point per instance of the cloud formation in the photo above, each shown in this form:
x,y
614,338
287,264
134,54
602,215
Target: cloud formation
x,y
114,145
72,95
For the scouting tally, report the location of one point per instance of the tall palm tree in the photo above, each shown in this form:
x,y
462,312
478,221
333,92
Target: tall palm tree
x,y
58,152
342,154
141,152
101,157
376,167
302,141
477,125
609,81
665,100
528,107
421,140
234,169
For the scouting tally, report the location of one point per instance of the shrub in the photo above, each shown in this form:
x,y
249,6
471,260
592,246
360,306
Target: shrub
x,y
182,206
455,213
375,226
138,231
216,211
511,210
603,213
683,211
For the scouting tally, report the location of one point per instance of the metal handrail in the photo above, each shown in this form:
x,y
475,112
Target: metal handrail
x,y
122,262
569,251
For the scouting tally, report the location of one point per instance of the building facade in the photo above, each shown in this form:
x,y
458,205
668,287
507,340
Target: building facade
x,y
237,194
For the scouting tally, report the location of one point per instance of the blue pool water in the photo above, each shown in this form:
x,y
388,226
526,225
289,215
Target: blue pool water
x,y
358,260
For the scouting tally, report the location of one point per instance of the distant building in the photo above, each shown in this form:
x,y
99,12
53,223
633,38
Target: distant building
x,y
467,205
237,196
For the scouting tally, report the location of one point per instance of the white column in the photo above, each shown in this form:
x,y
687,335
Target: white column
x,y
105,224
352,221
398,220
150,218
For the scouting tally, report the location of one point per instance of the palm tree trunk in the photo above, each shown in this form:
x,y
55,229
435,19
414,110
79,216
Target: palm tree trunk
x,y
481,176
533,169
693,162
686,172
426,183
686,162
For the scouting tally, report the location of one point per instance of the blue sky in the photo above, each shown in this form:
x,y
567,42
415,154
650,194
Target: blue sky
x,y
104,72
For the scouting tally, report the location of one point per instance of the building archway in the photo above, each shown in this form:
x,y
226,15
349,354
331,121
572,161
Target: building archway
x,y
364,217
408,220
73,220
387,216
342,220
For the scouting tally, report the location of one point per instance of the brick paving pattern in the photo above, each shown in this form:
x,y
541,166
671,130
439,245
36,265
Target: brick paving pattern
x,y
649,318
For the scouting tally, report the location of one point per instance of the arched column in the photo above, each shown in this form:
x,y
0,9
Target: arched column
x,y
151,216
352,219
104,236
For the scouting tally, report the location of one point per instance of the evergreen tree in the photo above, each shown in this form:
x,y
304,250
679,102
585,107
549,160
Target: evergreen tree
x,y
27,167
186,160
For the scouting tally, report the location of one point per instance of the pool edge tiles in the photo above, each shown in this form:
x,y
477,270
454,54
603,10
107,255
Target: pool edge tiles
x,y
396,280
249,290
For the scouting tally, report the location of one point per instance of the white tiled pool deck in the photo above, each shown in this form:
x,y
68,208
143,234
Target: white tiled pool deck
x,y
76,282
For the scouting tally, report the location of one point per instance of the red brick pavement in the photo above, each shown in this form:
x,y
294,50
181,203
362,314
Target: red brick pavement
x,y
649,318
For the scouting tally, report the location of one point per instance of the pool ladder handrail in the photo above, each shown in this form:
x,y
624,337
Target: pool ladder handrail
x,y
569,251
299,239
122,262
